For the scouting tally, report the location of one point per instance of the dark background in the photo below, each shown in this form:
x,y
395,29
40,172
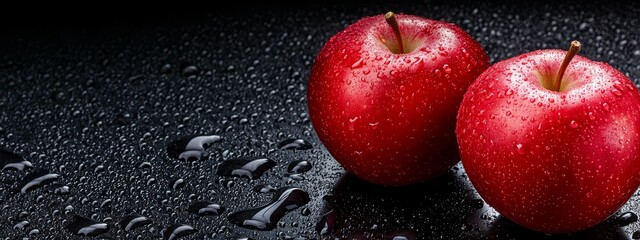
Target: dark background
x,y
82,95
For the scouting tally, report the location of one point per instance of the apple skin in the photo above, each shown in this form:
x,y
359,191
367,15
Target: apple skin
x,y
389,118
555,162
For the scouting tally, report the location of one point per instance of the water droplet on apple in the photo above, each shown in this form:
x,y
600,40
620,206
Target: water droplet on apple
x,y
446,68
519,148
357,64
605,106
591,116
616,92
573,124
438,73
509,92
630,87
352,123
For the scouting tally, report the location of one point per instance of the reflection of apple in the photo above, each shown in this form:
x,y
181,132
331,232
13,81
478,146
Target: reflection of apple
x,y
553,154
386,111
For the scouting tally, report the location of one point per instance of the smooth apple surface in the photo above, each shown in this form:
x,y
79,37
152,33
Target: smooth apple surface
x,y
552,161
387,116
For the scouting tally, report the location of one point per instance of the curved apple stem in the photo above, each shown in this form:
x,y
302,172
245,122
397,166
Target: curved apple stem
x,y
573,50
392,20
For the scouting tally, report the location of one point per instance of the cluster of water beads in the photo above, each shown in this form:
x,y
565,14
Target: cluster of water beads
x,y
185,148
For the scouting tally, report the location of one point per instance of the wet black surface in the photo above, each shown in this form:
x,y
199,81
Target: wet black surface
x,y
96,103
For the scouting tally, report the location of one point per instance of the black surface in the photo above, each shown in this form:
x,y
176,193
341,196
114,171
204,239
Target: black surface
x,y
88,96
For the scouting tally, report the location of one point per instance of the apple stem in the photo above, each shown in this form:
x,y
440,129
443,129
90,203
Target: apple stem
x,y
573,50
392,20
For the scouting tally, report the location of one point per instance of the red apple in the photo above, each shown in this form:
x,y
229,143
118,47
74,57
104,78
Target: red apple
x,y
386,111
552,155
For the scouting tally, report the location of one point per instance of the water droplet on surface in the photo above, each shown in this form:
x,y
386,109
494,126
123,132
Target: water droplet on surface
x,y
266,217
626,219
61,190
36,179
190,70
206,209
324,226
251,168
264,188
305,211
299,166
177,231
20,226
144,165
86,227
295,144
191,147
134,221
165,68
12,161
178,183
